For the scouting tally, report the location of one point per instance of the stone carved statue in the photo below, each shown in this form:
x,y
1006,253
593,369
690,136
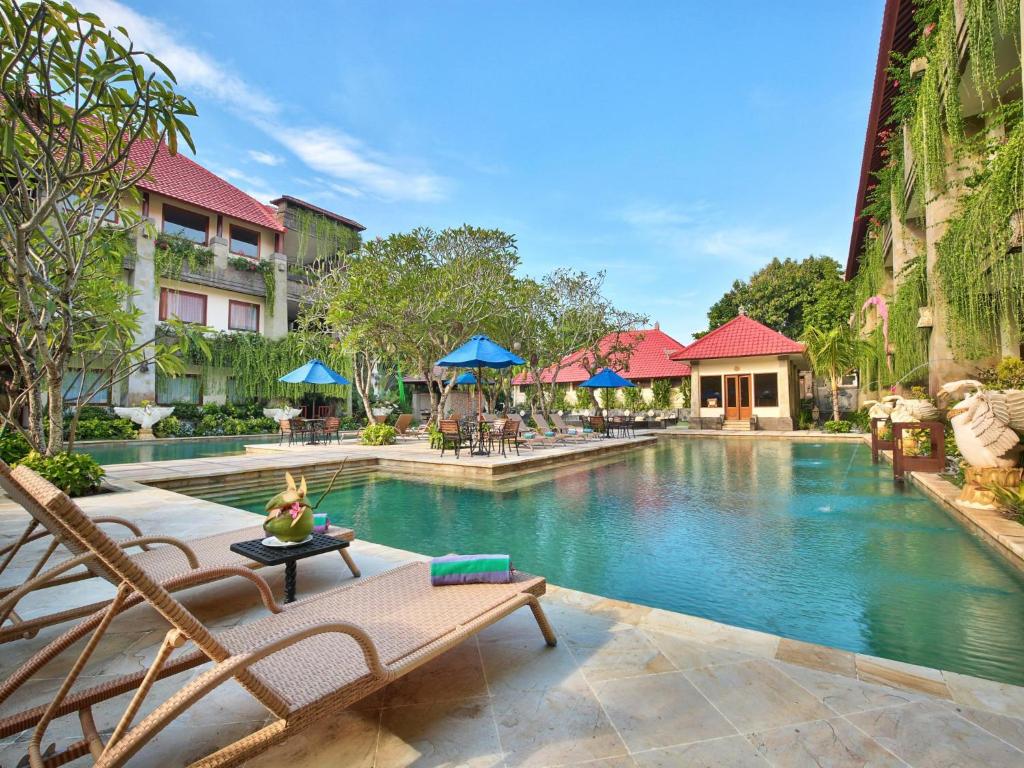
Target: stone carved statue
x,y
145,416
987,425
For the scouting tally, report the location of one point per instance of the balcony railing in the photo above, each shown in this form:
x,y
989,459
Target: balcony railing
x,y
228,279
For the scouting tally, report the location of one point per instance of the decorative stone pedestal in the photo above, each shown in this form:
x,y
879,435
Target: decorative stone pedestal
x,y
146,433
974,493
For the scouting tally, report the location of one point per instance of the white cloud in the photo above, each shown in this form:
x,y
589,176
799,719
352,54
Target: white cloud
x,y
354,167
193,69
696,231
265,158
338,155
254,186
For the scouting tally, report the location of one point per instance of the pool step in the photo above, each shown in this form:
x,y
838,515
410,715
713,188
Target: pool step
x,y
739,425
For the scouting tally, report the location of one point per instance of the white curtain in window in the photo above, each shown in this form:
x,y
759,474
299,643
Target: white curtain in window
x,y
177,389
187,307
243,317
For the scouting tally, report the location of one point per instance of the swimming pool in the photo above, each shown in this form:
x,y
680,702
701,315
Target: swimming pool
x,y
803,540
130,452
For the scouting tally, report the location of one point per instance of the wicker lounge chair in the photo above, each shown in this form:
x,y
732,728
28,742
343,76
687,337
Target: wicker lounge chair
x,y
573,433
402,425
209,556
556,434
305,662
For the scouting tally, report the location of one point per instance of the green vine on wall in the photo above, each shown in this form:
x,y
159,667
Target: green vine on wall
x,y
909,343
331,237
265,268
172,253
980,265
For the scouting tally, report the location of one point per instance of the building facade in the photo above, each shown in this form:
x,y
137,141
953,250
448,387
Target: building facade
x,y
650,361
744,375
935,247
243,271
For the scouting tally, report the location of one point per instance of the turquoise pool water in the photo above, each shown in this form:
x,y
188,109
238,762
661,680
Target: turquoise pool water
x,y
808,541
160,450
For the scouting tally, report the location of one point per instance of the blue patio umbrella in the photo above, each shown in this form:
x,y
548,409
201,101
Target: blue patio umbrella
x,y
466,378
480,352
314,372
606,378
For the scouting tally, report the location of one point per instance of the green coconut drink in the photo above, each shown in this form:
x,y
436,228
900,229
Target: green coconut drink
x,y
289,515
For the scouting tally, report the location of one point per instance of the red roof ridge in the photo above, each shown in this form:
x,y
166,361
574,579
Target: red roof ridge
x,y
181,178
740,337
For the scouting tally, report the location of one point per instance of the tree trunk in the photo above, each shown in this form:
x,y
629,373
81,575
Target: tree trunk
x,y
55,413
35,418
835,398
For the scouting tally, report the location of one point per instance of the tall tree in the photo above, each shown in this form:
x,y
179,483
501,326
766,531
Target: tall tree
x,y
567,319
84,112
414,297
833,354
787,296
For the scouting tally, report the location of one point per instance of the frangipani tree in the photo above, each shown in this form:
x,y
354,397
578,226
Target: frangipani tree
x,y
84,113
832,354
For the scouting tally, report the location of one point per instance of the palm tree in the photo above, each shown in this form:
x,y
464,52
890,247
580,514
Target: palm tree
x,y
832,353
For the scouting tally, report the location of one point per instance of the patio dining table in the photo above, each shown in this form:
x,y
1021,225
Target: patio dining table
x,y
313,426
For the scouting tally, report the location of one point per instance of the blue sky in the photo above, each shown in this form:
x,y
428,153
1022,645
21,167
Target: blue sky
x,y
677,146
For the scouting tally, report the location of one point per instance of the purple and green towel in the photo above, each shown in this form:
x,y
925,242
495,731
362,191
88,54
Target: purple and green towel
x,y
470,569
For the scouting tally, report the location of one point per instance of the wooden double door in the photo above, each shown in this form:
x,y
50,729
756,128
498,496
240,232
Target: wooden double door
x,y
738,397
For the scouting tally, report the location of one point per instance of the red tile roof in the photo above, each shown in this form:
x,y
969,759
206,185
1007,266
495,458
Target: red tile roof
x,y
178,177
651,359
740,337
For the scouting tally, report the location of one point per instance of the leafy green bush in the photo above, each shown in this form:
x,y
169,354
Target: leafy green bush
x,y
106,429
860,419
838,427
661,391
379,434
13,447
1008,374
187,411
633,399
77,474
1011,499
169,426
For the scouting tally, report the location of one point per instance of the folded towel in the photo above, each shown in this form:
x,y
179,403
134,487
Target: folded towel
x,y
587,430
549,433
570,431
529,435
470,569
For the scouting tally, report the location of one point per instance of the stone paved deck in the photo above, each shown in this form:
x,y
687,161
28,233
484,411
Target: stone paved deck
x,y
627,685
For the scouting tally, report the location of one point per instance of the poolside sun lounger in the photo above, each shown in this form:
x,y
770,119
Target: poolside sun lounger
x,y
573,433
305,662
199,560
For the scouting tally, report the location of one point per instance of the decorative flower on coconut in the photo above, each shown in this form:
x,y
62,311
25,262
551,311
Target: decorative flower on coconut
x,y
291,501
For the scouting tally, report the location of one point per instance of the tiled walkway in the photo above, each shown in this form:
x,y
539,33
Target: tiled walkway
x,y
626,686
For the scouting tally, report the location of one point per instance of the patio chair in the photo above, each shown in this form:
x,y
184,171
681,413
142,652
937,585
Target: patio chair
x,y
505,434
599,425
332,426
402,425
452,436
286,430
197,561
305,662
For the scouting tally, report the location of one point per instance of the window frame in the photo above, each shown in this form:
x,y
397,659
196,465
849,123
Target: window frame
x,y
108,389
231,305
163,304
199,393
231,228
757,403
721,390
163,222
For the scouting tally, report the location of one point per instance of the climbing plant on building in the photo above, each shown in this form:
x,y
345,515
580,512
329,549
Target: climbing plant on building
x,y
265,268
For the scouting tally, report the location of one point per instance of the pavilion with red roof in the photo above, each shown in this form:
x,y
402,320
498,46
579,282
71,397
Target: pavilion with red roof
x,y
650,360
744,375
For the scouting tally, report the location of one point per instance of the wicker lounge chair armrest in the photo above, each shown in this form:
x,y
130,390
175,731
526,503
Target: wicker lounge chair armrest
x,y
118,521
200,576
121,752
12,598
141,541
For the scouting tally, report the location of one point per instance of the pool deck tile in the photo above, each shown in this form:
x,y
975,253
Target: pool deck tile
x,y
627,685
